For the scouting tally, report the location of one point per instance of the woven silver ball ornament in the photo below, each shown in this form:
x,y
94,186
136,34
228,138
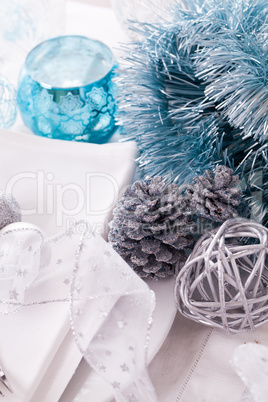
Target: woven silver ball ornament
x,y
224,282
9,210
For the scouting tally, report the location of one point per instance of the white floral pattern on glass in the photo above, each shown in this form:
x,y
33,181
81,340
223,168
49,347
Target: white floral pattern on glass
x,y
70,103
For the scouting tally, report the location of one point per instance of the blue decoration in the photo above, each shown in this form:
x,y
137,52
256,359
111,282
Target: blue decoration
x,y
194,94
8,103
66,90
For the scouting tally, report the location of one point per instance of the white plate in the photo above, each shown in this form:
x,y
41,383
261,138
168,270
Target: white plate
x,y
28,154
33,168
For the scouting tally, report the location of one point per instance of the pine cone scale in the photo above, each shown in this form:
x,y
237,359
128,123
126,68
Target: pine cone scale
x,y
150,245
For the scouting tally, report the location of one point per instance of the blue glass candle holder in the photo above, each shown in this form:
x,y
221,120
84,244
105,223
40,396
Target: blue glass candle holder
x,y
66,90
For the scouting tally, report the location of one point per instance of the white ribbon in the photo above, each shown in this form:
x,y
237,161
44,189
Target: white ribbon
x,y
110,306
20,253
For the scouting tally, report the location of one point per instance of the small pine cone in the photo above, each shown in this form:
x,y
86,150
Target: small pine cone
x,y
151,227
215,196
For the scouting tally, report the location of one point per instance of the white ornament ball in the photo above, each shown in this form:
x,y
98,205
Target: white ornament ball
x,y
8,103
224,281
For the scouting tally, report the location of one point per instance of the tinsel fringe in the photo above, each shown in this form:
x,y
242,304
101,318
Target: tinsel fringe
x,y
194,94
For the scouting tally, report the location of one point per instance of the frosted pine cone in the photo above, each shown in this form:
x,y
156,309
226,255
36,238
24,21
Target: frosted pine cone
x,y
9,209
215,196
151,227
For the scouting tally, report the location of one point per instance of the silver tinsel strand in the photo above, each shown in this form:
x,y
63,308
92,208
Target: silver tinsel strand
x,y
194,93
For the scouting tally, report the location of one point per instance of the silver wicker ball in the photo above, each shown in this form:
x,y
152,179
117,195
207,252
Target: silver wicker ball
x,y
9,210
224,282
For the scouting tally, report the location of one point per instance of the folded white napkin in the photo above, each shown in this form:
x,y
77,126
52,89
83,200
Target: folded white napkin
x,y
49,178
59,182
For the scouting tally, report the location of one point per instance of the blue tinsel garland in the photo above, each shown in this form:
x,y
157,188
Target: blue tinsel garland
x,y
194,94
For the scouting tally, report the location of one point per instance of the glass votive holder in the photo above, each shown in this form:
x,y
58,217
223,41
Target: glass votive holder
x,y
66,90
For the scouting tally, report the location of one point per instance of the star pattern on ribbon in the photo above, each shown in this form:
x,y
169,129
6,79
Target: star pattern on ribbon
x,y
99,292
124,367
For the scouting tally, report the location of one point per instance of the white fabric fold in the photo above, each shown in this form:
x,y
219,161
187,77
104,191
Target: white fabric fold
x,y
58,183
